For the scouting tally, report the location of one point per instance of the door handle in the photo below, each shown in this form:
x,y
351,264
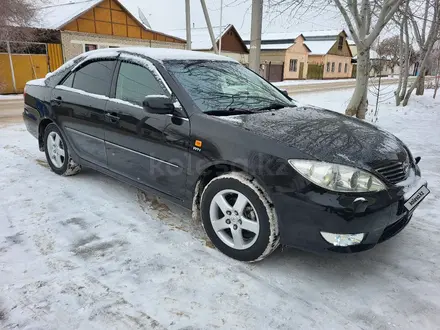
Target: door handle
x,y
57,100
112,117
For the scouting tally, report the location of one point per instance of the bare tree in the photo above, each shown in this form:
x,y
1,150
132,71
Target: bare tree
x,y
389,49
365,20
16,13
436,68
364,31
426,32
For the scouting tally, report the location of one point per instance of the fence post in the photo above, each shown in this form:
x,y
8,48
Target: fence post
x,y
12,66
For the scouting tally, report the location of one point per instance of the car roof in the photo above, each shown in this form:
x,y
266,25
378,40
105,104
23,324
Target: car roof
x,y
159,54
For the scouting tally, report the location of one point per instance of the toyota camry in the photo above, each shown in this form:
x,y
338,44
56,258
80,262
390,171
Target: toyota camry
x,y
255,167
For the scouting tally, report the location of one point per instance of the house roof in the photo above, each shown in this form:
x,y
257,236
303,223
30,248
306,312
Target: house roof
x,y
318,42
200,39
54,14
280,36
319,47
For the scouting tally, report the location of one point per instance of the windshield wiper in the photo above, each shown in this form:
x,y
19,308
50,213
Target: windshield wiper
x,y
229,112
275,106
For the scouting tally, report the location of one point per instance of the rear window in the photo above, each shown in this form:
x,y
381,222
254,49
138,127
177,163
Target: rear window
x,y
95,77
54,78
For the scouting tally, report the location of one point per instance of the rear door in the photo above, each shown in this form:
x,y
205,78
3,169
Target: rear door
x,y
79,104
148,148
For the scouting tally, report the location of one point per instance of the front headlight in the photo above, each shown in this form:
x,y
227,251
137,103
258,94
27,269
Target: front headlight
x,y
337,177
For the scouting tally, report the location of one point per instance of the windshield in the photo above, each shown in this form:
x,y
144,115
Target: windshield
x,y
226,86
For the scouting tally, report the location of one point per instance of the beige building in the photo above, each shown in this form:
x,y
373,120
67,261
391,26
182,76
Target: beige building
x,y
307,55
332,54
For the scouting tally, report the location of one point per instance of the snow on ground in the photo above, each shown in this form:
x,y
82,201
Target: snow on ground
x,y
319,81
88,252
310,81
11,97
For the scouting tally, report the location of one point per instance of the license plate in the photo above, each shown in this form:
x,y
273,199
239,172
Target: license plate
x,y
415,199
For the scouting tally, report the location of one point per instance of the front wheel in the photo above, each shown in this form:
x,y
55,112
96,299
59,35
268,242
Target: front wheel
x,y
239,217
57,152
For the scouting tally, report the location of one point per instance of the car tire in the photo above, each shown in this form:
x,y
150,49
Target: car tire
x,y
234,205
57,152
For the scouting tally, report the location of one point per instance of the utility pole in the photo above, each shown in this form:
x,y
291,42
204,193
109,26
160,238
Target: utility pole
x,y
14,84
257,19
208,24
188,24
221,28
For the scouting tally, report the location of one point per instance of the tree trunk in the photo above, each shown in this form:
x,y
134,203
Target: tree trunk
x,y
421,85
407,60
437,79
359,103
401,64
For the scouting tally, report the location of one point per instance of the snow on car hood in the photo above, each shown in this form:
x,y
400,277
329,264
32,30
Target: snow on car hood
x,y
325,135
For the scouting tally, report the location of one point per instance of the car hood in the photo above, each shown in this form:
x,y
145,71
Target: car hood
x,y
325,135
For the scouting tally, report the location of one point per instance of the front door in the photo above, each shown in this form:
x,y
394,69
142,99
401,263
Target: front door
x,y
151,149
79,104
301,70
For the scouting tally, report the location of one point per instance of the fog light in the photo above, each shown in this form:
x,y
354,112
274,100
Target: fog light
x,y
342,239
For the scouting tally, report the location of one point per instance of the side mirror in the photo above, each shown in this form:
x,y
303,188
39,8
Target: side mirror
x,y
284,92
159,104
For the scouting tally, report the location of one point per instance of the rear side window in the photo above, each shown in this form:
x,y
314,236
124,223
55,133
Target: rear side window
x,y
69,80
136,82
95,77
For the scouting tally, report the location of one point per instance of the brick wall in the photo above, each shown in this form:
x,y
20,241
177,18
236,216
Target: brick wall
x,y
73,42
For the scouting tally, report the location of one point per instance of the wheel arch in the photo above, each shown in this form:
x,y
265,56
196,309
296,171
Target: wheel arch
x,y
212,171
41,128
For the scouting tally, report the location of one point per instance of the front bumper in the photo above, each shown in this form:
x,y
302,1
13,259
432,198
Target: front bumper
x,y
304,213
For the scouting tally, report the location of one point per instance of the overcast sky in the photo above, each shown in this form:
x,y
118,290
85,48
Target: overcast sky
x,y
168,15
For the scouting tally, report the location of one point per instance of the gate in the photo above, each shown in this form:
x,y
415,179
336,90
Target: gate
x,y
24,61
275,72
301,70
315,71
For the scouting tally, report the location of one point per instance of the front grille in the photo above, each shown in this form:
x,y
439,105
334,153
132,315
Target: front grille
x,y
394,172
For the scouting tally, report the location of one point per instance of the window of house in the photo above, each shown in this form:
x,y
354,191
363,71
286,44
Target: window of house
x,y
89,47
136,82
340,67
95,77
333,66
346,68
293,65
328,66
340,42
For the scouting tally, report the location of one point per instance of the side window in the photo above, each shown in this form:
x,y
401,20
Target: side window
x,y
95,77
68,82
136,82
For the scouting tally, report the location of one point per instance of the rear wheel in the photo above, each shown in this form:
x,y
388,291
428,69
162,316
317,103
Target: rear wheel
x,y
239,217
57,153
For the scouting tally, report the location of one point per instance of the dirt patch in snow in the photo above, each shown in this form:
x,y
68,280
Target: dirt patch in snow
x,y
173,216
42,162
98,249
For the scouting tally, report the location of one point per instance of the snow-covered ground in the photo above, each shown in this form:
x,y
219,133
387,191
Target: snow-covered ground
x,y
310,81
321,81
88,252
11,97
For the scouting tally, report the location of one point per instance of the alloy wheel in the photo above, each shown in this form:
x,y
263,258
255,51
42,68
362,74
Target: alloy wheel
x,y
55,149
234,219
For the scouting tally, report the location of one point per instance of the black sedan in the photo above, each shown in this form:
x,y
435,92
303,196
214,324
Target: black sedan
x,y
257,168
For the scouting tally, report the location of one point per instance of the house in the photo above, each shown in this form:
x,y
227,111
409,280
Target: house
x,y
305,55
232,45
330,53
89,25
73,27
